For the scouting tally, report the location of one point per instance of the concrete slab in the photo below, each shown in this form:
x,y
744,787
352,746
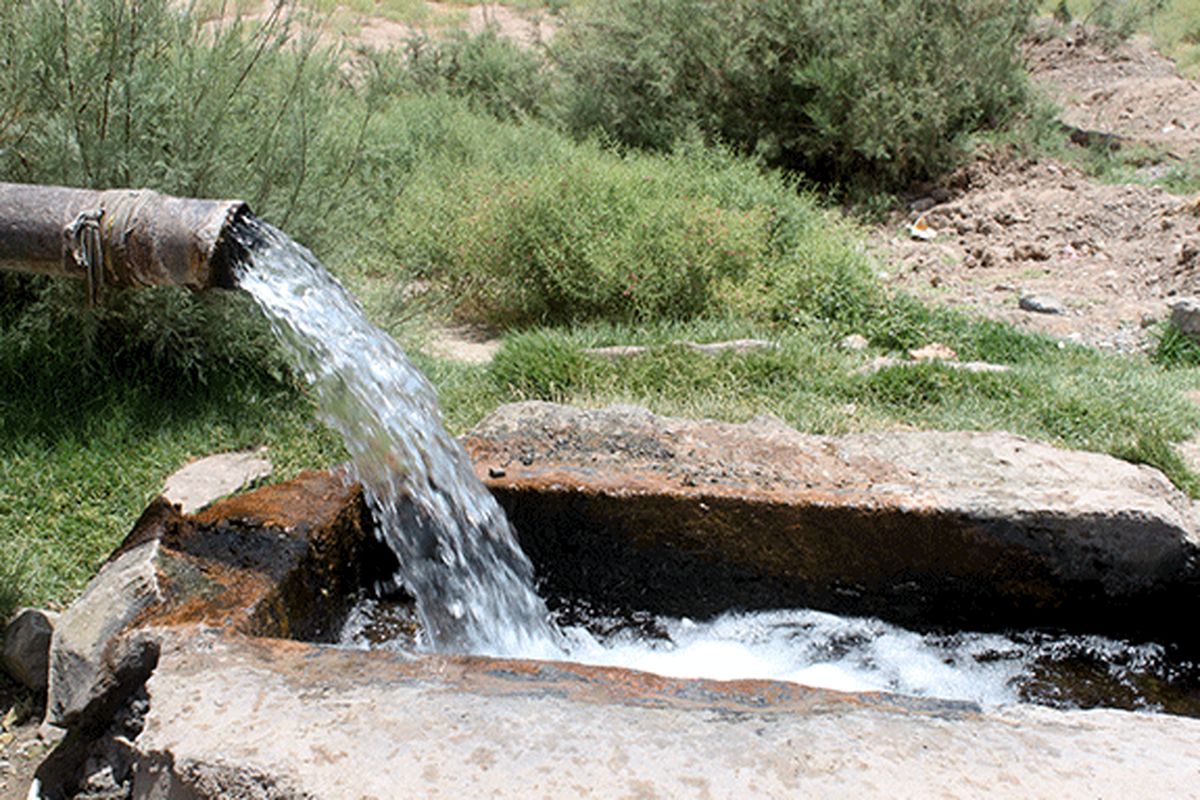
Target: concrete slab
x,y
256,718
977,530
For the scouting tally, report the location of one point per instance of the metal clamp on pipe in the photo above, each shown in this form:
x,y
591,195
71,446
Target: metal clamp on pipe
x,y
120,237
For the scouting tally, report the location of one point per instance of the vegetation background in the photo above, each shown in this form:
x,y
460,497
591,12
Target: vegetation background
x,y
663,170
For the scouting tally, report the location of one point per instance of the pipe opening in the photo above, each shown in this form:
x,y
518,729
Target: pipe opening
x,y
119,237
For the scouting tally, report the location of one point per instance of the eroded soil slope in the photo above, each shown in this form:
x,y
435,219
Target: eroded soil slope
x,y
1110,257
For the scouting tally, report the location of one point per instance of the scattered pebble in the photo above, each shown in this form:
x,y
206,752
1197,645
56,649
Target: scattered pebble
x,y
855,342
1042,304
934,351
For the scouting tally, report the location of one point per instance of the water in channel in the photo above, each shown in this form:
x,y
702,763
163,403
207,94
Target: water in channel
x,y
459,559
473,586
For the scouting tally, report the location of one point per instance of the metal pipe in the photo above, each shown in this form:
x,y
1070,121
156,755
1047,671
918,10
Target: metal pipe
x,y
119,237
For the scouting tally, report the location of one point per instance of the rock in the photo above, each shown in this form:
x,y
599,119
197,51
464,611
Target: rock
x,y
208,479
1185,315
616,352
261,719
887,362
855,342
1030,251
975,530
282,561
27,647
934,351
87,673
1189,254
1042,304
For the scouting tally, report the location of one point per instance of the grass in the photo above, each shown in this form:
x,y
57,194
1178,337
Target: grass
x,y
1071,396
80,458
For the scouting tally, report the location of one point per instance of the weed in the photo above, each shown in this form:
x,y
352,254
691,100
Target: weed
x,y
1175,349
563,231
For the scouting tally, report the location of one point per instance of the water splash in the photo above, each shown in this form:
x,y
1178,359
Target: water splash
x,y
459,559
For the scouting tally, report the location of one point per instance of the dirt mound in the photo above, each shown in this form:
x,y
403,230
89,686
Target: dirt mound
x,y
1112,255
1128,89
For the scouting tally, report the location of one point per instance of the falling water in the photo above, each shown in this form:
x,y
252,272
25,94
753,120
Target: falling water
x,y
459,559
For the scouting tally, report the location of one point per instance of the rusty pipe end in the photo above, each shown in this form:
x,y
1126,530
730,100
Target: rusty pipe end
x,y
150,239
119,237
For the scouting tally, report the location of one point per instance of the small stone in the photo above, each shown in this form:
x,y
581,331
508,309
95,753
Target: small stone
x,y
855,343
934,351
1188,252
1185,315
27,647
1042,304
1030,251
209,479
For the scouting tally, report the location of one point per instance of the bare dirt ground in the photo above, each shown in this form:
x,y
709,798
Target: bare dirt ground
x,y
21,748
1112,256
1131,91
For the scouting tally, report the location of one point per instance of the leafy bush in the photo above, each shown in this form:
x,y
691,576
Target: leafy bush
x,y
137,93
562,232
493,73
876,92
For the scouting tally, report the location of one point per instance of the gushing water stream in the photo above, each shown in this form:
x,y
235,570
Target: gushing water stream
x,y
459,559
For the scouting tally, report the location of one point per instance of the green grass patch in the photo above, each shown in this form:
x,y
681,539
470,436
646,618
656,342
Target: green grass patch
x,y
81,456
1070,396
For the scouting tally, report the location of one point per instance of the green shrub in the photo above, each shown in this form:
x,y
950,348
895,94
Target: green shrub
x,y
576,232
874,92
492,72
137,93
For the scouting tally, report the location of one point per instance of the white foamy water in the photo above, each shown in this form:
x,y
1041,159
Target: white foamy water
x,y
812,648
850,654
459,558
